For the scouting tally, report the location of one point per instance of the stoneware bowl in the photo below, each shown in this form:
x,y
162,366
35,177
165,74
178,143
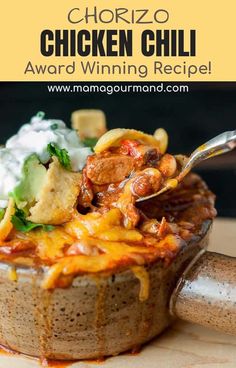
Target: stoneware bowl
x,y
100,316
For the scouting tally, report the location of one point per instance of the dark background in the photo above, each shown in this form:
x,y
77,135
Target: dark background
x,y
190,119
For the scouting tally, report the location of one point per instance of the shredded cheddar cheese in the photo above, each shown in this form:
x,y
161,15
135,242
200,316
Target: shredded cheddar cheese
x,y
92,243
50,244
116,246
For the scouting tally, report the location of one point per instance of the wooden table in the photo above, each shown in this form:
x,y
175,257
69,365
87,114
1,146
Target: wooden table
x,y
182,346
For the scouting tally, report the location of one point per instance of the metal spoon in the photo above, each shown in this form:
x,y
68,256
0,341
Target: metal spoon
x,y
223,143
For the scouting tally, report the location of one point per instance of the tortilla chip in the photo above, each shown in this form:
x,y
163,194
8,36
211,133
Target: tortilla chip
x,y
57,197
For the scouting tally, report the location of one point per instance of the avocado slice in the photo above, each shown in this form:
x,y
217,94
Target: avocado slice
x,y
27,191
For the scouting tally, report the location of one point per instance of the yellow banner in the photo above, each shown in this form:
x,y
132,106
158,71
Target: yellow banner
x,y
166,40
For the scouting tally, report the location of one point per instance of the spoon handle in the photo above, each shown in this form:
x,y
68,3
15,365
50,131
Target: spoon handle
x,y
206,292
222,143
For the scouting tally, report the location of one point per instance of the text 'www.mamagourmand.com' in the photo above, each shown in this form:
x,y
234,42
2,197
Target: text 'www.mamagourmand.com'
x,y
110,89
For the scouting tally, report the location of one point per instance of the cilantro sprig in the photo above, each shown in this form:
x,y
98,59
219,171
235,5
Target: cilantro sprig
x,y
20,223
61,153
2,213
90,142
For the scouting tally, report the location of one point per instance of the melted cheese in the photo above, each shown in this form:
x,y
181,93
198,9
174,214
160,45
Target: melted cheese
x,y
116,247
50,244
12,274
143,276
105,227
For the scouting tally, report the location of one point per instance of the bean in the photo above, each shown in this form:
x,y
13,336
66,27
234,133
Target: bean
x,y
167,165
148,182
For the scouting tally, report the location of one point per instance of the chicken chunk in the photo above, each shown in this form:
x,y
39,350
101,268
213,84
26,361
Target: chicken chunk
x,y
102,169
57,197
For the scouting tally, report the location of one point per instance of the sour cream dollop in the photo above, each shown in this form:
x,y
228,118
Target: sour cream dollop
x,y
34,138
